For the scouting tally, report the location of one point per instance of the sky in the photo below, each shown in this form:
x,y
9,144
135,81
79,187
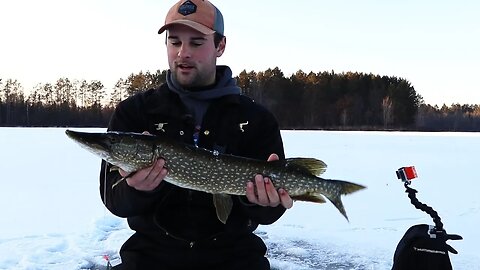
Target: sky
x,y
52,216
432,44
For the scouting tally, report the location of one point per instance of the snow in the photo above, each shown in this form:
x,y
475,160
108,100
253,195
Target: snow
x,y
52,216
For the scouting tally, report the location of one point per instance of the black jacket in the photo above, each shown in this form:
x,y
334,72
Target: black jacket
x,y
232,124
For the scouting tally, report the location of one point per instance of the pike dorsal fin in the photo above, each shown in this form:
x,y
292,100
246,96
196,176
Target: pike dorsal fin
x,y
311,165
223,205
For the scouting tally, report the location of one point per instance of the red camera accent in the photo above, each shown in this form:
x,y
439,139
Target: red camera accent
x,y
410,172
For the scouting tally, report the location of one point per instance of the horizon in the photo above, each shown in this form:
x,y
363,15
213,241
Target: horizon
x,y
433,45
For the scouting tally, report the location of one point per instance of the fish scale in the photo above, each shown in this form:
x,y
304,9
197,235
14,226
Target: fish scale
x,y
208,171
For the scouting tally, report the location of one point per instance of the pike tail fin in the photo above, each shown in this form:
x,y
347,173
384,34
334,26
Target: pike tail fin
x,y
335,189
341,188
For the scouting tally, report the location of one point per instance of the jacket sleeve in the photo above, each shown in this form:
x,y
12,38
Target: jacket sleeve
x,y
267,140
123,200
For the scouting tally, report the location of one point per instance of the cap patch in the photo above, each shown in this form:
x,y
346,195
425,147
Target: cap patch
x,y
187,8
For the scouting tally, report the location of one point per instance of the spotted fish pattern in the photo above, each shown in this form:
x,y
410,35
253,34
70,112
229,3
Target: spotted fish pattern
x,y
209,171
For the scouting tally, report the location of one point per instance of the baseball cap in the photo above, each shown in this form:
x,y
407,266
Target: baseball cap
x,y
200,15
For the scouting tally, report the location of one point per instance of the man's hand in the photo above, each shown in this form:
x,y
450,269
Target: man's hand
x,y
266,194
147,179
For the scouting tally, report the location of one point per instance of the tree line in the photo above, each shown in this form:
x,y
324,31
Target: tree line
x,y
323,100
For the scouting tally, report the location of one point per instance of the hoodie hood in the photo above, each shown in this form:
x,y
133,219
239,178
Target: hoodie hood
x,y
198,101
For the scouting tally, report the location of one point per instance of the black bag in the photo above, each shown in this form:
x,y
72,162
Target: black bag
x,y
424,248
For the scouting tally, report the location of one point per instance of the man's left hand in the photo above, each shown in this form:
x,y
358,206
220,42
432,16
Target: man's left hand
x,y
266,194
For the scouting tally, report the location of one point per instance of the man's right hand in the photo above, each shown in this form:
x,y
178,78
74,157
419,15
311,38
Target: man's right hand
x,y
147,179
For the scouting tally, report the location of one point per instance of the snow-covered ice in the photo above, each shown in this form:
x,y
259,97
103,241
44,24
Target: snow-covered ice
x,y
52,216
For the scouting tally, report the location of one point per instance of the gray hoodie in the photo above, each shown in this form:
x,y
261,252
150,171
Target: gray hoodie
x,y
197,101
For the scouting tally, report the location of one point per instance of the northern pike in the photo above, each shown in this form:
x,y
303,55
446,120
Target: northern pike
x,y
209,171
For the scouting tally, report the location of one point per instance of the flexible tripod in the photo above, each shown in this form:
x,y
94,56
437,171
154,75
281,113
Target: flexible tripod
x,y
406,174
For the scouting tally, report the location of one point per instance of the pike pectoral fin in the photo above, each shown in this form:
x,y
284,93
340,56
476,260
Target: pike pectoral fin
x,y
223,205
118,182
113,169
121,179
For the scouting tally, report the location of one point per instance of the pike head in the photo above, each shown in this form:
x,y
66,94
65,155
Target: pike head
x,y
124,150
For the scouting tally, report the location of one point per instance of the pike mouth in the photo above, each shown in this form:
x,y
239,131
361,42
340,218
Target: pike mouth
x,y
93,141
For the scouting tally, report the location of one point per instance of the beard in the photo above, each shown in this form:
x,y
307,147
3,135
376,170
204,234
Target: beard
x,y
193,77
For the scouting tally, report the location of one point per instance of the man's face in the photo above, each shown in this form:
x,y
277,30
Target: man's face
x,y
192,56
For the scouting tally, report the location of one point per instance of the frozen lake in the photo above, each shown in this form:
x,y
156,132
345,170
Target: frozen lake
x,y
52,216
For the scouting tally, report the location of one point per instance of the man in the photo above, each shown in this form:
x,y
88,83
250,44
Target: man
x,y
177,228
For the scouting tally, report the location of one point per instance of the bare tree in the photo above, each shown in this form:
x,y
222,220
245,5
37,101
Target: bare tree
x,y
14,99
95,93
64,92
387,107
119,93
